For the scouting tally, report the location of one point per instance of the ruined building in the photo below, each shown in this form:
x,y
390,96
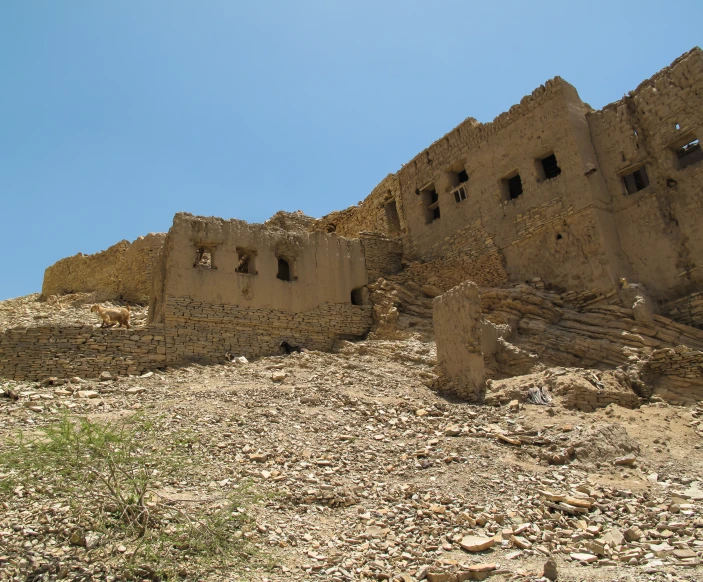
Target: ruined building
x,y
588,207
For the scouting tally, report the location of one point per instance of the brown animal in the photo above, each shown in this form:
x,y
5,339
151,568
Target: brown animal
x,y
112,316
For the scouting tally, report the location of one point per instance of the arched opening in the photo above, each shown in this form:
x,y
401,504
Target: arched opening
x,y
283,270
357,296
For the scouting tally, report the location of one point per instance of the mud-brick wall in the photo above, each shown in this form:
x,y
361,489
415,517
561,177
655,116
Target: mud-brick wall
x,y
36,353
456,320
204,331
121,272
383,256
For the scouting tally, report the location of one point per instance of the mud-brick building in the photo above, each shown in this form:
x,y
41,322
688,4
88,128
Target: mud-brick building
x,y
555,190
226,285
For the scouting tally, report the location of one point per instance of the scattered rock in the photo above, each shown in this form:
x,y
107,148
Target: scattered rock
x,y
476,543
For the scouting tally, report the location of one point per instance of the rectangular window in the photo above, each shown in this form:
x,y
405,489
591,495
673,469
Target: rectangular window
x,y
550,168
689,154
204,258
246,261
459,194
636,181
512,186
430,200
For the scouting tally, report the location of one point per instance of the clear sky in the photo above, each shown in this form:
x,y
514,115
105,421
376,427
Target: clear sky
x,y
114,115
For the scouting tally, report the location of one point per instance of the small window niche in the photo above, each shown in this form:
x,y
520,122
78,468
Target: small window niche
x,y
360,296
392,218
430,200
284,269
512,186
204,257
689,153
459,194
246,263
636,180
548,168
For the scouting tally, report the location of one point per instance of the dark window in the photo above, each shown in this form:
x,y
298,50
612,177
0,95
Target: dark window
x,y
636,181
689,154
203,258
512,187
550,167
246,261
430,200
283,270
459,194
357,296
462,176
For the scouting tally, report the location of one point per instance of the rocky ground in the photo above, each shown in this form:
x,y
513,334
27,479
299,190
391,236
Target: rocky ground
x,y
358,470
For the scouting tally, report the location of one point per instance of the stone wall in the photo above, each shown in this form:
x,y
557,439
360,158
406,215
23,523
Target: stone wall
x,y
688,310
36,353
383,256
469,254
456,320
124,271
680,372
197,330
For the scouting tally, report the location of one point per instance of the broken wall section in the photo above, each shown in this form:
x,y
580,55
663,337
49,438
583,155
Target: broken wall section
x,y
123,271
456,318
380,212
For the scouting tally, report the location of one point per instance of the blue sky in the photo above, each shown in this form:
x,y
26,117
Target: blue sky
x,y
116,115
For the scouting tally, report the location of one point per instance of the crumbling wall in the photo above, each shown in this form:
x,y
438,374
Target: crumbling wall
x,y
123,271
383,255
456,319
291,221
659,224
687,310
380,212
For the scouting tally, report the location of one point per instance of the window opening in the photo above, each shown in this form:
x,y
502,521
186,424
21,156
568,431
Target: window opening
x,y
283,270
689,154
203,258
636,181
430,200
457,178
512,186
357,296
392,218
559,237
459,194
550,167
246,262
677,126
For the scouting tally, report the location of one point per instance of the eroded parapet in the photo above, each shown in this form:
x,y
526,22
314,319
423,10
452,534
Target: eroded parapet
x,y
456,317
122,271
